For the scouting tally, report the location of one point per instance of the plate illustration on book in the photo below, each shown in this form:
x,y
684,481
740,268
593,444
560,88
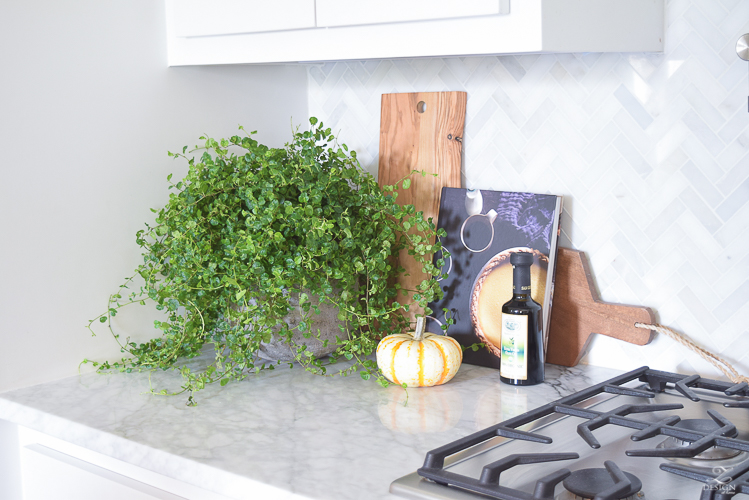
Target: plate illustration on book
x,y
493,287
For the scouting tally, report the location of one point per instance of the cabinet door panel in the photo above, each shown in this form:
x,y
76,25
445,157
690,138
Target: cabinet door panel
x,y
332,13
48,474
10,462
225,17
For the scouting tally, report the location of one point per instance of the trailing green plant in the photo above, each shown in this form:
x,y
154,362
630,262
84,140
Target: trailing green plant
x,y
249,226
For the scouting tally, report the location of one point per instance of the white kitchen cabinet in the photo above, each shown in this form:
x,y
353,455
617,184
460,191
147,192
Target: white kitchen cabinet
x,y
51,468
376,29
10,462
331,13
47,474
224,17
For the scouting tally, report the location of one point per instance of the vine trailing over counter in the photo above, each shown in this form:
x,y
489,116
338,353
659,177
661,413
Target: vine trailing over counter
x,y
251,226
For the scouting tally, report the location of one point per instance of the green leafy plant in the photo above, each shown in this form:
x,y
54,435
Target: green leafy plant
x,y
248,227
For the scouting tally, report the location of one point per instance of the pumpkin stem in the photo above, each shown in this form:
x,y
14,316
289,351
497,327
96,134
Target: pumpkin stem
x,y
419,334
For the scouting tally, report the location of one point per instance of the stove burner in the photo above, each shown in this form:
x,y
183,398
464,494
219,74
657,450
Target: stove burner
x,y
698,424
703,426
694,441
603,484
710,442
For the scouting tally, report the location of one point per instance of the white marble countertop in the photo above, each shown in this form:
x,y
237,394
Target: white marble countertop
x,y
283,433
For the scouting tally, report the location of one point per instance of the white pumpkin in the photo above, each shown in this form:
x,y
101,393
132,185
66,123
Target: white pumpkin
x,y
419,359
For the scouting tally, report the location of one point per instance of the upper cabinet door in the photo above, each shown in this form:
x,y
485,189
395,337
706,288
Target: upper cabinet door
x,y
276,31
332,13
225,17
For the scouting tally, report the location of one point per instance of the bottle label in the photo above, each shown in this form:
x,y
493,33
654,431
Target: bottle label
x,y
513,362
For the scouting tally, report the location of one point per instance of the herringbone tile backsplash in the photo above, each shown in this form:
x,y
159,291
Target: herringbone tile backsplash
x,y
650,151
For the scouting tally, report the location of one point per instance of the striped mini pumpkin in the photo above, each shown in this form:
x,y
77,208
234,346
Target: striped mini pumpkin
x,y
419,359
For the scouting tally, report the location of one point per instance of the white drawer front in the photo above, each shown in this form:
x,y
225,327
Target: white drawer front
x,y
48,474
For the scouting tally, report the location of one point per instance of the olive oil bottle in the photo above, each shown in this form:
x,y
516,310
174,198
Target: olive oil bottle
x,y
522,358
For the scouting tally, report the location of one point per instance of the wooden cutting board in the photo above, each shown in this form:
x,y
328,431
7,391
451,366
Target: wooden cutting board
x,y
421,131
577,313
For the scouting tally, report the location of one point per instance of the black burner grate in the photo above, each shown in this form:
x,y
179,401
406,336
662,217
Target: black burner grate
x,y
724,435
488,484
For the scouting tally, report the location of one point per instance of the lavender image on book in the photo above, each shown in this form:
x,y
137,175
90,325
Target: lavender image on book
x,y
483,229
524,213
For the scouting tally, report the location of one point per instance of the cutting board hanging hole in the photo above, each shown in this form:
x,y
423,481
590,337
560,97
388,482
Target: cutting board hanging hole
x,y
421,106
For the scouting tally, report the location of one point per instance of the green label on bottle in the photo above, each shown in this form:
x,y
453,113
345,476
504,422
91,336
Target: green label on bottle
x,y
513,361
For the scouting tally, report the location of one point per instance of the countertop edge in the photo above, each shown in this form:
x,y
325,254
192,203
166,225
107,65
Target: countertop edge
x,y
186,470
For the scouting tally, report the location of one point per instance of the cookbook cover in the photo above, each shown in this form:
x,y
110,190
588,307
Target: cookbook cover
x,y
483,229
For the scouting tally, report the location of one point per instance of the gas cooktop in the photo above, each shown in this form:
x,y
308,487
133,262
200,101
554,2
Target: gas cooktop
x,y
645,435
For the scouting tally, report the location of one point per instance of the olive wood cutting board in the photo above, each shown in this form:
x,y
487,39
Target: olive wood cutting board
x,y
577,313
421,131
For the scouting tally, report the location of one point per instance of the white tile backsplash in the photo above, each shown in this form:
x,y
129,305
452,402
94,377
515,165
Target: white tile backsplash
x,y
650,151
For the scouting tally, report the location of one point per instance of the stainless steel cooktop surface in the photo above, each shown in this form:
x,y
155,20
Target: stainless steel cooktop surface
x,y
614,441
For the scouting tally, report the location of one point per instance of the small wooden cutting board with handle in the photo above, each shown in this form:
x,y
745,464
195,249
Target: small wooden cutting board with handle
x,y
577,313
421,131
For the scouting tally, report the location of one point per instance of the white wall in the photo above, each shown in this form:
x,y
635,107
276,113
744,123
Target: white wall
x,y
651,152
88,110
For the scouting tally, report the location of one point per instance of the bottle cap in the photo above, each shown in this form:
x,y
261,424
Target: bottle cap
x,y
521,259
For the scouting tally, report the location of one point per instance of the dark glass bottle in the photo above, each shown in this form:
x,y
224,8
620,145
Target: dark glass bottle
x,y
522,359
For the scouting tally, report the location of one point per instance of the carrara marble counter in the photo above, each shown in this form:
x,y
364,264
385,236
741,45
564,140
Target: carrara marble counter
x,y
283,433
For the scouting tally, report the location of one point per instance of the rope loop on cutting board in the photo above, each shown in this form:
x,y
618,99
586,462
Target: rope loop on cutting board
x,y
718,362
